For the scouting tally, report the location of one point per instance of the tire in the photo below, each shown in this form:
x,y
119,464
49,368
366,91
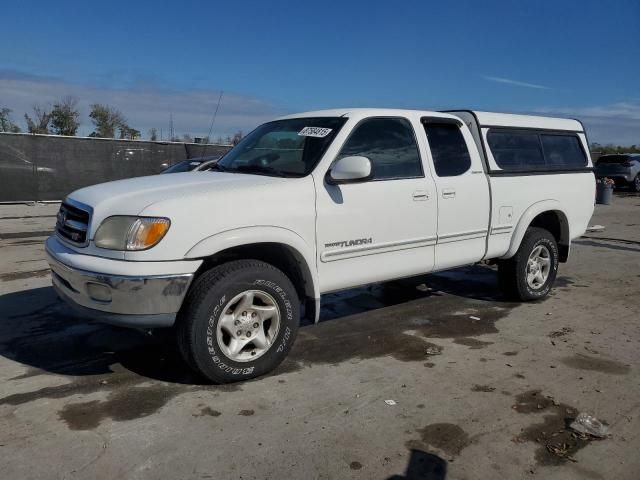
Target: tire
x,y
513,273
238,295
635,185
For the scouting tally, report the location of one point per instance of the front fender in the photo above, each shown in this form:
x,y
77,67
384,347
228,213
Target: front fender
x,y
527,217
262,234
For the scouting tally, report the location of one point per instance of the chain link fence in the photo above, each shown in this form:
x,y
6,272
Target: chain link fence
x,y
48,167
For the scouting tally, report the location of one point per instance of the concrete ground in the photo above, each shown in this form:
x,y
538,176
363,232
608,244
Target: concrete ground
x,y
483,388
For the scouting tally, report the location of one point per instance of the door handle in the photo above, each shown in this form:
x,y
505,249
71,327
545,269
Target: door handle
x,y
420,196
448,193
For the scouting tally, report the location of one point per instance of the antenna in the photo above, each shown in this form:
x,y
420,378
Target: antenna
x,y
213,121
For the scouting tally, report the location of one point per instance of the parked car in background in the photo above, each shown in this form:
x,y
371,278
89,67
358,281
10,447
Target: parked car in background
x,y
624,169
192,164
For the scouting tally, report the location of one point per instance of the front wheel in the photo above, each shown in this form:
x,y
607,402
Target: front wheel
x,y
530,274
635,185
239,321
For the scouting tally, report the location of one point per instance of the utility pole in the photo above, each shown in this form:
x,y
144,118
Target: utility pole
x,y
171,132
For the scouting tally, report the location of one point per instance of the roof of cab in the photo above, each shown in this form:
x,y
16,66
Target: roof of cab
x,y
365,112
493,119
484,118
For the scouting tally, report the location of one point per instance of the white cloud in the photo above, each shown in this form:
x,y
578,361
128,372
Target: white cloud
x,y
144,107
515,83
617,123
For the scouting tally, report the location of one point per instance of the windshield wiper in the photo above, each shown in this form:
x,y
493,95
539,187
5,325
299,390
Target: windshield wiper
x,y
217,166
260,169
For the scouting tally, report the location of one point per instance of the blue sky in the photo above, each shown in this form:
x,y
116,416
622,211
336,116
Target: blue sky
x,y
570,58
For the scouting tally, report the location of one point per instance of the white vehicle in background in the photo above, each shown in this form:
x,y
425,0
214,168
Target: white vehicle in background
x,y
319,202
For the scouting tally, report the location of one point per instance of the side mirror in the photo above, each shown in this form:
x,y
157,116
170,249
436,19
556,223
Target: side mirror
x,y
350,170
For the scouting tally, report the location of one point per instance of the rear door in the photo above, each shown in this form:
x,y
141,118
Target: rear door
x,y
463,193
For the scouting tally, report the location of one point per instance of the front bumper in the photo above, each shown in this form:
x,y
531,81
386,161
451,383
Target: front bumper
x,y
124,298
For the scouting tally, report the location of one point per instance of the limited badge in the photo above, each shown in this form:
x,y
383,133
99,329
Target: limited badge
x,y
319,132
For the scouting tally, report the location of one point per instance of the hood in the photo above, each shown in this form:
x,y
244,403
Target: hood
x,y
201,205
133,195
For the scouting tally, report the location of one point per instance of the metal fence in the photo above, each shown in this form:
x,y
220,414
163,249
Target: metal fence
x,y
48,167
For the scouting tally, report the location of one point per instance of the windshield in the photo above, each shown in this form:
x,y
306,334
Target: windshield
x,y
287,148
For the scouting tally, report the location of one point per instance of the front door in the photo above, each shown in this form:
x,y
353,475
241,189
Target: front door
x,y
463,194
385,227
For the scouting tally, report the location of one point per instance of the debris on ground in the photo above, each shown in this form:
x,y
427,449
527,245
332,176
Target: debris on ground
x,y
556,435
595,228
423,288
391,402
560,450
474,318
561,333
483,388
433,350
589,425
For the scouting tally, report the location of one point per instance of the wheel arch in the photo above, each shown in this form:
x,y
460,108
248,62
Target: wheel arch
x,y
546,214
280,247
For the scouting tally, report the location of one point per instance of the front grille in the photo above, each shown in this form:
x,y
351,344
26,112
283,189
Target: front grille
x,y
73,224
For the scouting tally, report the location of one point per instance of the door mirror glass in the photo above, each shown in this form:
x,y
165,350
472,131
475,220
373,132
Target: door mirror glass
x,y
350,170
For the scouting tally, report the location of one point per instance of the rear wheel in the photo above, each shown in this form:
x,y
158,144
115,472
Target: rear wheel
x,y
635,185
530,274
239,321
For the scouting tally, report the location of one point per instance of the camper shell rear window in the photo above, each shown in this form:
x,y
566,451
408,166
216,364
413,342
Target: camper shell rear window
x,y
520,150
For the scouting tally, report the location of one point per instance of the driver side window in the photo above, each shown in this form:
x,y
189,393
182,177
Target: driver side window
x,y
390,145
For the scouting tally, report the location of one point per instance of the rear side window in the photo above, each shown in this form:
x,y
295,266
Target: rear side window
x,y
448,149
562,151
517,150
390,145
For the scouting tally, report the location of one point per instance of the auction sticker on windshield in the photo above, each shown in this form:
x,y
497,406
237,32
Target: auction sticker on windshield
x,y
319,132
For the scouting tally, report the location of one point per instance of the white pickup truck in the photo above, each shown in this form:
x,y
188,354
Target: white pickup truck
x,y
319,202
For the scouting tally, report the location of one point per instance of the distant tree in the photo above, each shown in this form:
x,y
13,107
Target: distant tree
x,y
64,116
236,138
106,120
153,134
6,125
611,148
128,133
40,121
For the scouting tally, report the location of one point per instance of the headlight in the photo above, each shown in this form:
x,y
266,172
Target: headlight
x,y
131,233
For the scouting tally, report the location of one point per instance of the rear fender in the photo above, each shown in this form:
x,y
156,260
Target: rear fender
x,y
527,217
